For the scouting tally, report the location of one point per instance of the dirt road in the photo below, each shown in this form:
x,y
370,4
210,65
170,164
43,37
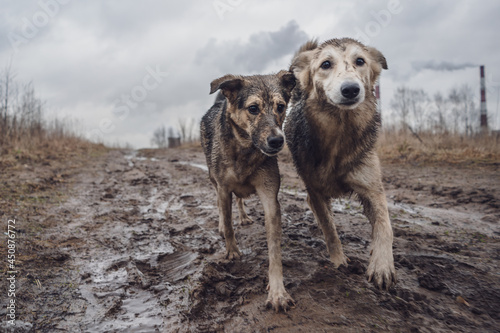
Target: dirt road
x,y
131,245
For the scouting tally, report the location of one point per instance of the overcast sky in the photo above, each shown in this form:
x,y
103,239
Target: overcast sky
x,y
124,68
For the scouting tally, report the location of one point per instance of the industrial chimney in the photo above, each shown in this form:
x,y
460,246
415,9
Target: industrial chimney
x,y
484,115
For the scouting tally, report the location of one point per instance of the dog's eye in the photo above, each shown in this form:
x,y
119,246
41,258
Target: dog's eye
x,y
360,61
253,109
281,108
326,65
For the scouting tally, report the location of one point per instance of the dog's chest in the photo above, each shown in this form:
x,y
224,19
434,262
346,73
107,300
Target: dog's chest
x,y
330,178
324,167
239,181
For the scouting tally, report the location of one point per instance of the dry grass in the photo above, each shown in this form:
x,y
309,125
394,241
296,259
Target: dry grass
x,y
191,144
399,146
45,144
26,137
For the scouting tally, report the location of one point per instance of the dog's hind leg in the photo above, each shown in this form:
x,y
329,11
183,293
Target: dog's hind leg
x,y
366,182
321,209
224,199
244,218
278,298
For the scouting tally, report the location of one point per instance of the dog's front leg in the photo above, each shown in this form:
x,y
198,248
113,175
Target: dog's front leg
x,y
381,266
320,207
367,183
278,297
224,201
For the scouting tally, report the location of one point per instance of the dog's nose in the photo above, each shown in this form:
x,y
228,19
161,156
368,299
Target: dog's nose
x,y
275,142
350,90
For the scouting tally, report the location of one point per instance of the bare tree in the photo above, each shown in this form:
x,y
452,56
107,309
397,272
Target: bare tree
x,y
28,111
171,133
440,104
468,107
463,108
410,102
454,98
21,116
188,129
418,105
7,90
183,128
401,104
160,137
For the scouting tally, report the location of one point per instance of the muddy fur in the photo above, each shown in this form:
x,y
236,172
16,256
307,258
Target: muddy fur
x,y
241,135
331,132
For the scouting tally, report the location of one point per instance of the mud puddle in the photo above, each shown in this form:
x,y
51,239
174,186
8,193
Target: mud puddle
x,y
143,254
135,252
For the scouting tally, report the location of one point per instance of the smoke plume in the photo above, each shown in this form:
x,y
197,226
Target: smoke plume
x,y
440,66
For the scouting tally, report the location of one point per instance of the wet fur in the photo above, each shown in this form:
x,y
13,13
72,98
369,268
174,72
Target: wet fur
x,y
333,145
241,161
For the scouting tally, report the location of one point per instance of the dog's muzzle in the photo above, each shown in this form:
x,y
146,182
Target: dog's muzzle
x,y
276,142
350,92
274,145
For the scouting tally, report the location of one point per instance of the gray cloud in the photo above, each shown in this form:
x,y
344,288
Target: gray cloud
x,y
92,52
255,55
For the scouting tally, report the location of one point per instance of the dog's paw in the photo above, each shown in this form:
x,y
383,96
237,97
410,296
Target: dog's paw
x,y
279,300
381,272
233,253
246,220
339,259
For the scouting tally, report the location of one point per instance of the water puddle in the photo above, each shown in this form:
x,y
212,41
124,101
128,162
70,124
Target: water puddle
x,y
341,206
406,213
426,216
132,156
196,165
294,193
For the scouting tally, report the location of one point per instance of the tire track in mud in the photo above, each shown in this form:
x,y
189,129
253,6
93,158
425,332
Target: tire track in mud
x,y
143,236
135,217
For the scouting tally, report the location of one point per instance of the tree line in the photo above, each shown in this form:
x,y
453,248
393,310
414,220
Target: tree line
x,y
22,122
455,112
20,110
187,131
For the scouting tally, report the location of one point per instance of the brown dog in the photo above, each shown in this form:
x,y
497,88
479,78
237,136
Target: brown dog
x,y
241,135
331,132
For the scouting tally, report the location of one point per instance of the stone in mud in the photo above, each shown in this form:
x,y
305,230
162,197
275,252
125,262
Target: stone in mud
x,y
114,167
293,209
356,267
406,263
223,288
432,282
134,175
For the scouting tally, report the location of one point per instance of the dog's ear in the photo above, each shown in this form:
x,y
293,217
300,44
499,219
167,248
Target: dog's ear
x,y
287,80
228,84
379,63
378,57
300,66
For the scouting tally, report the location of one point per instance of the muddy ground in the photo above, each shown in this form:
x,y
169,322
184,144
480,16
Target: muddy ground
x,y
126,241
